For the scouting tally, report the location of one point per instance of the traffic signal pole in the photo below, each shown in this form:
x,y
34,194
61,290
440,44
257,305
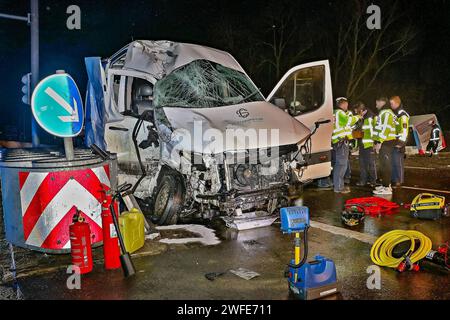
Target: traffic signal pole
x,y
33,21
34,30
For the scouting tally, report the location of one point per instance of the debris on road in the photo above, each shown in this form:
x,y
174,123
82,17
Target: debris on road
x,y
152,236
211,276
245,273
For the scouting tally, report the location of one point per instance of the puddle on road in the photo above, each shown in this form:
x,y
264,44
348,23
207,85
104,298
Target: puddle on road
x,y
188,233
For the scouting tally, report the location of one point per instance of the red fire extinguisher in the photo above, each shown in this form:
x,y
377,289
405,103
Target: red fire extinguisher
x,y
111,250
80,243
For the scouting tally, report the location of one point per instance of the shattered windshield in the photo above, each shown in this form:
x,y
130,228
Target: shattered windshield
x,y
204,84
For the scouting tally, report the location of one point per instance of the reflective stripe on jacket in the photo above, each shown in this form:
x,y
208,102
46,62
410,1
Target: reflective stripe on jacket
x,y
402,125
385,127
368,132
352,127
343,121
435,134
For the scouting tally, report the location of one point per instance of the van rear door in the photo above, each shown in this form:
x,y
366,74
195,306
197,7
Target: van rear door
x,y
305,92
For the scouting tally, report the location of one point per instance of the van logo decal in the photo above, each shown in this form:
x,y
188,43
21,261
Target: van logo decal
x,y
243,113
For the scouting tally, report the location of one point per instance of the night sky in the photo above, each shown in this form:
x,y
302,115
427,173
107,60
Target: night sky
x,y
239,27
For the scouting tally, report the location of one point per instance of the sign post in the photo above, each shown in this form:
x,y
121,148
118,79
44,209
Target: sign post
x,y
57,107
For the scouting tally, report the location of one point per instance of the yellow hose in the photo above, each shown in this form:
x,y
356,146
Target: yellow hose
x,y
381,252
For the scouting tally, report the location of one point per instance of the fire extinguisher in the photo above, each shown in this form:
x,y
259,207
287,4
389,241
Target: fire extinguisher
x,y
111,250
80,243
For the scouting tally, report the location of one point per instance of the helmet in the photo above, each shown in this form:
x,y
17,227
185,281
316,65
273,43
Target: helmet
x,y
353,215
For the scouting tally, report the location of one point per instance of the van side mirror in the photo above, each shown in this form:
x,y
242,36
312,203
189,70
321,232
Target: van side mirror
x,y
280,102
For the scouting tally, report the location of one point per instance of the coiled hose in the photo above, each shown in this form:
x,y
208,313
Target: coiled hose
x,y
381,252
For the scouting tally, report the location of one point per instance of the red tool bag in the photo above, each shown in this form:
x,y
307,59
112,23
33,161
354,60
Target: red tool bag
x,y
373,206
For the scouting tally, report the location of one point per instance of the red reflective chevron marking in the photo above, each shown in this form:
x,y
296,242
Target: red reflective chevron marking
x,y
57,238
49,200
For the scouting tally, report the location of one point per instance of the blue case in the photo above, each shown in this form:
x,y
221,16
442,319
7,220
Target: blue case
x,y
294,219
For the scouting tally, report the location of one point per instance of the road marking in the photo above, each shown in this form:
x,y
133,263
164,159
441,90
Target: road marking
x,y
367,238
419,168
425,189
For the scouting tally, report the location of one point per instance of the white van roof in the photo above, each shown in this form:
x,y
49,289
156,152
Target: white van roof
x,y
160,58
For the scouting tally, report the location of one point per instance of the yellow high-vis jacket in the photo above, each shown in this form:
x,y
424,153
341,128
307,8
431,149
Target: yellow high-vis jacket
x,y
402,125
343,121
368,128
385,127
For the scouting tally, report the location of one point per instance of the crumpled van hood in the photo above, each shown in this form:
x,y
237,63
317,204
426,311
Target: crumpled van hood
x,y
233,128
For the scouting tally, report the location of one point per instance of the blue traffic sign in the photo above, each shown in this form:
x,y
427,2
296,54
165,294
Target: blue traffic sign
x,y
57,107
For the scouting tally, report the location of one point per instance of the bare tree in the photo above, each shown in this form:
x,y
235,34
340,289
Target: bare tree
x,y
284,39
362,54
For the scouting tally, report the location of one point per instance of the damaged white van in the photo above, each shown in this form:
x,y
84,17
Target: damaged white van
x,y
196,137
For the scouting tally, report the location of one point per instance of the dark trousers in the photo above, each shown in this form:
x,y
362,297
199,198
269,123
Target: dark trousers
x,y
398,165
433,145
367,166
386,154
340,155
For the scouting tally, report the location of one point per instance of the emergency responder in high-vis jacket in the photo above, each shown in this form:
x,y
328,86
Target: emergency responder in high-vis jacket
x,y
351,146
343,121
402,131
367,166
386,137
435,138
380,103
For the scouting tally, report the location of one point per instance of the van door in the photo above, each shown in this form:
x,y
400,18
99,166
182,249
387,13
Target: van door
x,y
132,96
305,93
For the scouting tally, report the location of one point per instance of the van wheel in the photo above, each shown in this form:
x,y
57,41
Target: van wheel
x,y
168,201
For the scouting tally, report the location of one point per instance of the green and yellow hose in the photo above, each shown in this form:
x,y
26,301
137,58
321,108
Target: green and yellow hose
x,y
381,252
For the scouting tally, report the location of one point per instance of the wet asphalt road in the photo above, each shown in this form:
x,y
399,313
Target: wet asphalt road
x,y
179,272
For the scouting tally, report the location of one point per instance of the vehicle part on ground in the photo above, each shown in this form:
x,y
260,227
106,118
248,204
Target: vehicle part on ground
x,y
211,276
244,273
382,250
373,206
353,215
80,244
37,190
428,206
250,220
307,280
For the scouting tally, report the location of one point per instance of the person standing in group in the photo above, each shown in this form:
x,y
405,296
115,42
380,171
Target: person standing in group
x,y
351,146
343,121
380,103
367,166
402,131
385,140
435,138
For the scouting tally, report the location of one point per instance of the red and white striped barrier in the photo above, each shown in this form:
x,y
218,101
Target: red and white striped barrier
x,y
48,201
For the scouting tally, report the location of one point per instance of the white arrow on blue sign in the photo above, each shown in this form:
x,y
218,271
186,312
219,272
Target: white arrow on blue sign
x,y
57,107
